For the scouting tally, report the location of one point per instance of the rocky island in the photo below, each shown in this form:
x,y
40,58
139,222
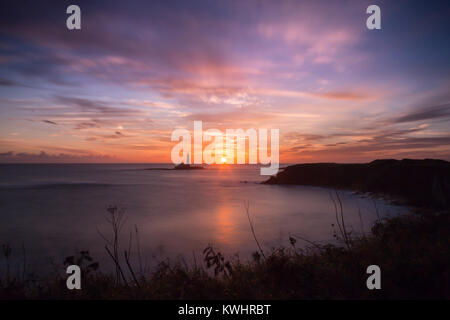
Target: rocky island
x,y
180,166
183,166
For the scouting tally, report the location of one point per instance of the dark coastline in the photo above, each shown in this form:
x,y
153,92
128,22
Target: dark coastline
x,y
418,183
180,166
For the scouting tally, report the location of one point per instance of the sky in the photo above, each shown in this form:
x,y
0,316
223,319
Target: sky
x,y
115,90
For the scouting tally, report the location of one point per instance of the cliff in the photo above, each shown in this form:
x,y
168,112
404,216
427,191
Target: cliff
x,y
422,183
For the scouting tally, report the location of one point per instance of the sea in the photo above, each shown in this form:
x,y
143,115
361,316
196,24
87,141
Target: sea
x,y
52,211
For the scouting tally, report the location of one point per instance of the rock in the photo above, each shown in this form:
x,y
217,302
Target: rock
x,y
422,183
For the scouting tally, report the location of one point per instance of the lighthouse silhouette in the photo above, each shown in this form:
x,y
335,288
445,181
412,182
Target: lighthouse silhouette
x,y
187,159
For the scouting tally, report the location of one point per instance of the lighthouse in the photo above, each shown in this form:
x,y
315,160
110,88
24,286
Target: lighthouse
x,y
187,159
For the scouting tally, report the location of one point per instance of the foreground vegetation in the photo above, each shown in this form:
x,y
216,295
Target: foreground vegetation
x,y
411,250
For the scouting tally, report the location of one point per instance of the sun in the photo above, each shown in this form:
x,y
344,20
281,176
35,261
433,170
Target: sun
x,y
223,160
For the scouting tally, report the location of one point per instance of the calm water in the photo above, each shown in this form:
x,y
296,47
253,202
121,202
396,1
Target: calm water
x,y
55,210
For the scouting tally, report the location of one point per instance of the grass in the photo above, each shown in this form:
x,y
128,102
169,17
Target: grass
x,y
412,251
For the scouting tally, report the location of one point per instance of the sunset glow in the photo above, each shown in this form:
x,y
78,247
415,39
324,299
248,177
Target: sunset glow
x,y
336,90
217,158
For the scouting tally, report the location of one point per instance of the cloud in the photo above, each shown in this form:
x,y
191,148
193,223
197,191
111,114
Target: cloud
x,y
44,157
116,135
232,118
386,142
146,147
440,112
171,86
343,95
309,66
8,83
96,107
87,125
296,136
49,122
